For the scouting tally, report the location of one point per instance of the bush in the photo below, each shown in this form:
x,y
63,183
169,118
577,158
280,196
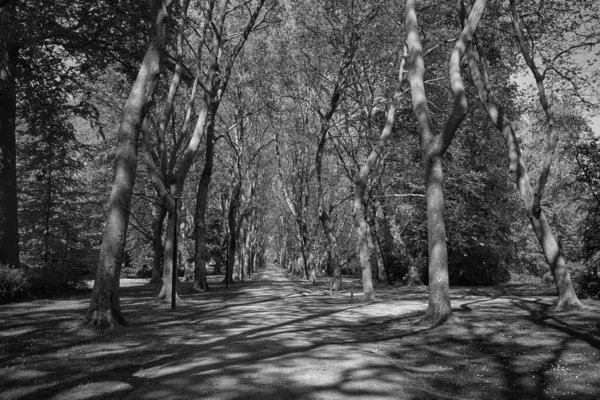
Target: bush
x,y
36,281
476,267
14,283
56,280
586,285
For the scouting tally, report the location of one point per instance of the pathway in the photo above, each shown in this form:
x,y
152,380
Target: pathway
x,y
279,339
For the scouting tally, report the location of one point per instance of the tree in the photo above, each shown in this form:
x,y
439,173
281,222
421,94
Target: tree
x,y
9,231
105,309
361,185
433,148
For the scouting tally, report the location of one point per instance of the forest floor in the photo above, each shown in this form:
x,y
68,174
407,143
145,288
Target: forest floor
x,y
277,337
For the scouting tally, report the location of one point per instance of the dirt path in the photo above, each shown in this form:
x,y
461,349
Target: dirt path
x,y
279,339
276,338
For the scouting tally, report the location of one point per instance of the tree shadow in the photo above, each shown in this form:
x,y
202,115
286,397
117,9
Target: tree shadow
x,y
275,338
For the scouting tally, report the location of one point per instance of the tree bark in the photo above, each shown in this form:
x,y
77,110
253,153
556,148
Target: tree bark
x,y
381,272
9,229
47,257
567,299
233,234
165,293
158,245
105,309
201,258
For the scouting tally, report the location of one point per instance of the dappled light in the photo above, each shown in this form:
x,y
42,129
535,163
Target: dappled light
x,y
299,199
279,337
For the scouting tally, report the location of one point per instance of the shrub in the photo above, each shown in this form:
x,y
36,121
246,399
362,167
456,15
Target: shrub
x,y
14,283
586,285
36,281
56,279
476,267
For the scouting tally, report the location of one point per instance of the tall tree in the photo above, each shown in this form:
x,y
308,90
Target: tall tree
x,y
552,252
213,97
433,148
9,232
105,310
360,185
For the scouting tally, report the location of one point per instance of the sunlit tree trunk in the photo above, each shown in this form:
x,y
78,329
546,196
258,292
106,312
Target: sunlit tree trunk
x,y
105,309
168,268
9,231
567,299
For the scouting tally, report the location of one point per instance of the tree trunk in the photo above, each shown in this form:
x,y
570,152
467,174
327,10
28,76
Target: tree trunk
x,y
164,296
105,309
567,299
552,139
233,235
364,253
9,230
439,290
158,245
47,258
200,260
381,272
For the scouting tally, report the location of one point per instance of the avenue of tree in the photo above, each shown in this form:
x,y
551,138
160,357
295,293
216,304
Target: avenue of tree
x,y
359,137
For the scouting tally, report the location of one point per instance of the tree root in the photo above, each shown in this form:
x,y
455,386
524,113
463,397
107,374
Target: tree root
x,y
367,298
203,288
104,320
568,305
163,298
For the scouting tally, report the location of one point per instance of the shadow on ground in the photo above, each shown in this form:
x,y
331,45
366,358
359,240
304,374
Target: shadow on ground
x,y
273,337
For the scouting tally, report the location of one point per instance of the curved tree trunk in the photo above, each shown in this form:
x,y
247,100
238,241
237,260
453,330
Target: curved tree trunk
x,y
567,299
552,140
105,309
9,230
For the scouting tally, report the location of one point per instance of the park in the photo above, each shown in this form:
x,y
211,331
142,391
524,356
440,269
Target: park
x,y
233,199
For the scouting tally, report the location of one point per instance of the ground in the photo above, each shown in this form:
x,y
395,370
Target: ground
x,y
274,337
